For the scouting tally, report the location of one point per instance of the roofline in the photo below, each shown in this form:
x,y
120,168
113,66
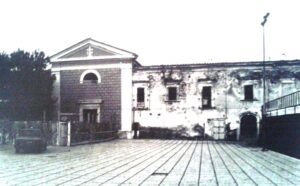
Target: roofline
x,y
134,54
221,64
87,39
137,64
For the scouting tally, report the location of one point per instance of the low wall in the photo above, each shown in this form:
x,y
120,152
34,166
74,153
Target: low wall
x,y
282,134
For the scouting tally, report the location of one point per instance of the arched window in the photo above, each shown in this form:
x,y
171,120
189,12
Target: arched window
x,y
90,76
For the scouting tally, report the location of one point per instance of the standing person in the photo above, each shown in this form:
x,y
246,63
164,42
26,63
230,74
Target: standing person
x,y
135,127
227,131
4,131
2,135
264,135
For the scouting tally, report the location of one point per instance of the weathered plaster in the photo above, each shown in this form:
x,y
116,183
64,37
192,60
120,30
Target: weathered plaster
x,y
227,95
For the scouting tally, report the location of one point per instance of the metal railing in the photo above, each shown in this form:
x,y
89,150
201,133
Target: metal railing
x,y
290,100
85,133
92,136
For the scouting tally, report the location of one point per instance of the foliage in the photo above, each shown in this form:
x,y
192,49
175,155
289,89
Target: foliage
x,y
170,76
81,127
274,75
210,76
179,132
25,86
241,75
18,125
199,129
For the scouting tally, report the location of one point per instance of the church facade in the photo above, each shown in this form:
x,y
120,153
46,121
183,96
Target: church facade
x,y
93,84
99,83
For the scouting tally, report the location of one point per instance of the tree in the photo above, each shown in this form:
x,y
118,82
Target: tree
x,y
25,86
5,67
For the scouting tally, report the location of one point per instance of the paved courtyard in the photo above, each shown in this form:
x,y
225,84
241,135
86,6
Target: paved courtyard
x,y
149,162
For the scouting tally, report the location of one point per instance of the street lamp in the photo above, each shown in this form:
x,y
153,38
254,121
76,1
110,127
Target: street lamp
x,y
264,124
264,65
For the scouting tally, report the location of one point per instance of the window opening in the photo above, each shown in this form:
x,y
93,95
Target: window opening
x,y
172,93
91,77
141,95
248,90
206,97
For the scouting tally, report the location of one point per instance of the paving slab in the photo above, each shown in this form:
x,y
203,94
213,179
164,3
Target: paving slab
x,y
150,162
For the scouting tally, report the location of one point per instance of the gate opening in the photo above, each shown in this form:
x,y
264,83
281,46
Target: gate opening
x,y
248,127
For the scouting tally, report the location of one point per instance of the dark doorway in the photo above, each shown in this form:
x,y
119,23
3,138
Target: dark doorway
x,y
90,116
248,127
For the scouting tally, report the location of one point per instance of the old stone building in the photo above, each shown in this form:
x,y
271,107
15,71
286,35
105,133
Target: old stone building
x,y
210,95
98,83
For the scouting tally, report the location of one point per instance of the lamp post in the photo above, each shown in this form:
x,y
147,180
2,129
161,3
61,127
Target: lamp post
x,y
264,124
264,65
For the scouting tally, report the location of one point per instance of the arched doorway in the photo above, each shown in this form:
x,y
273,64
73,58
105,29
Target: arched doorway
x,y
248,128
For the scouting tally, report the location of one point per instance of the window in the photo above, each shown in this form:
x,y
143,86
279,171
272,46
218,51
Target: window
x,y
206,97
141,95
248,90
90,76
172,93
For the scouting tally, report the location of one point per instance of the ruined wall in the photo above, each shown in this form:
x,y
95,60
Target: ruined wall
x,y
228,102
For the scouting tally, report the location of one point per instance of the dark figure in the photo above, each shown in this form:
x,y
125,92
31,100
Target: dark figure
x,y
230,134
227,131
135,127
3,136
264,136
6,132
200,130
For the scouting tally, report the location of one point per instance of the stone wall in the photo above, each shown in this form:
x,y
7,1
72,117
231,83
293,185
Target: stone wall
x,y
228,104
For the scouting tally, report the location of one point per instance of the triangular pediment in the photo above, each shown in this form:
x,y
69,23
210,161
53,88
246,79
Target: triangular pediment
x,y
90,49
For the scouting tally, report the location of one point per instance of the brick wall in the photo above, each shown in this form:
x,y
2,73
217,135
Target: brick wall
x,y
109,91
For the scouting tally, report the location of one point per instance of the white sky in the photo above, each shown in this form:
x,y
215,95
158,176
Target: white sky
x,y
159,31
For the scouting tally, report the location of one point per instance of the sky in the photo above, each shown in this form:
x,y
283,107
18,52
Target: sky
x,y
158,31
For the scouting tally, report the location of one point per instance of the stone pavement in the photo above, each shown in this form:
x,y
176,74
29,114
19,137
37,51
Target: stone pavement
x,y
150,162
